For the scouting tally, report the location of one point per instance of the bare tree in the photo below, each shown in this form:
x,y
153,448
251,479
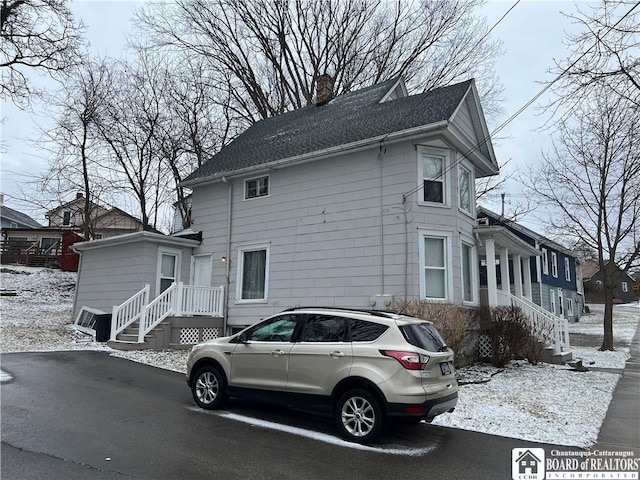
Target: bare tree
x,y
269,55
36,35
592,178
77,154
194,125
604,55
129,125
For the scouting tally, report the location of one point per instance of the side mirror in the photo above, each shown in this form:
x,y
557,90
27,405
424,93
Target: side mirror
x,y
243,338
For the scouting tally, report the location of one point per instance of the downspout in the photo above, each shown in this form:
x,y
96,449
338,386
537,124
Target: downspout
x,y
228,263
382,280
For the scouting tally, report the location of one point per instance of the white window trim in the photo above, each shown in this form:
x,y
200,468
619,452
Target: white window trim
x,y
448,262
567,269
552,299
561,302
446,156
570,307
472,191
545,262
248,247
247,180
554,264
167,251
474,273
625,287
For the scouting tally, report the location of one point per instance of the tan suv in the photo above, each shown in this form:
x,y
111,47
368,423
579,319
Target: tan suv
x,y
361,366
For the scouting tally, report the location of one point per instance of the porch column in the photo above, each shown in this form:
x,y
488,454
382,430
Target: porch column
x,y
492,283
517,275
528,293
504,269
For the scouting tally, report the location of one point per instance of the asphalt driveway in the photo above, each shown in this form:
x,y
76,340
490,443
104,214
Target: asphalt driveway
x,y
88,415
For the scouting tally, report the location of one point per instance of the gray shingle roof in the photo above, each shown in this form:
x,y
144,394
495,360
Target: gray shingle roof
x,y
15,216
346,119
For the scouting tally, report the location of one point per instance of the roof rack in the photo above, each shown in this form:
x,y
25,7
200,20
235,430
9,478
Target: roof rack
x,y
377,313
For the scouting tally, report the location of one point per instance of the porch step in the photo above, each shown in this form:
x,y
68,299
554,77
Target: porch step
x,y
549,357
128,338
125,345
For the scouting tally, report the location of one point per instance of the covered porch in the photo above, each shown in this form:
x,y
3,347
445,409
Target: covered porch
x,y
506,279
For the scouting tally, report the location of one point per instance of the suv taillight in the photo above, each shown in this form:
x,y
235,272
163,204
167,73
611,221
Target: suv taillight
x,y
409,360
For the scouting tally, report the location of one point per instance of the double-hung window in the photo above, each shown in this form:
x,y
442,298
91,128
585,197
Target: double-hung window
x,y
66,218
256,187
554,264
432,171
545,262
468,263
253,273
465,189
567,269
435,265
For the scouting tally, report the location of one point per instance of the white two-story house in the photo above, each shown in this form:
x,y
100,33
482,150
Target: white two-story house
x,y
352,201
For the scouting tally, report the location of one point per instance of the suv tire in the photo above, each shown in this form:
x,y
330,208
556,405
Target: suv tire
x,y
208,388
359,416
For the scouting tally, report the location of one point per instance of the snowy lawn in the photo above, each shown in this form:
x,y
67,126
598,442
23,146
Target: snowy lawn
x,y
543,403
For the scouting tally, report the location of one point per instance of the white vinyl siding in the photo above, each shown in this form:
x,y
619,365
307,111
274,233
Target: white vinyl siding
x,y
253,273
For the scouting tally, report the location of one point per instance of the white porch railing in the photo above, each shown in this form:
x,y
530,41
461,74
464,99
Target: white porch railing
x,y
177,300
128,312
558,326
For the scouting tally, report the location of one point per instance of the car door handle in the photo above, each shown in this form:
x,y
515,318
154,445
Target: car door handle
x,y
277,352
337,354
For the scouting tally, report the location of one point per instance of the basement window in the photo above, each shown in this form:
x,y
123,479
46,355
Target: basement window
x,y
86,320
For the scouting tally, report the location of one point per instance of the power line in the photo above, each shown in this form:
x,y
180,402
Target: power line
x,y
528,103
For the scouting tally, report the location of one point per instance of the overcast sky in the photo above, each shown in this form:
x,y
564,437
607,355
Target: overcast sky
x,y
532,33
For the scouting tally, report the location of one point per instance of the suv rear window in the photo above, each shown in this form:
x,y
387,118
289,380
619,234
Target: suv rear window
x,y
363,331
424,335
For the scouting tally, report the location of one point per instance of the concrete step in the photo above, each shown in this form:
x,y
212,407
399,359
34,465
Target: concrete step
x,y
122,345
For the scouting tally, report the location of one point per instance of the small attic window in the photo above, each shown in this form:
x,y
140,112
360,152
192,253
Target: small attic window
x,y
399,90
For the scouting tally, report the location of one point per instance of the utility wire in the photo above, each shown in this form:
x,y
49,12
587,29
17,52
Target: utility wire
x,y
528,103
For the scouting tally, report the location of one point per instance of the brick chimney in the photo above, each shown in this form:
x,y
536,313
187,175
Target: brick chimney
x,y
79,195
324,89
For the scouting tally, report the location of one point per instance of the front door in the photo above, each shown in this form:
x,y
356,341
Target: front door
x,y
202,265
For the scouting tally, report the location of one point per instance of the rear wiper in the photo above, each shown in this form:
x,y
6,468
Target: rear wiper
x,y
443,348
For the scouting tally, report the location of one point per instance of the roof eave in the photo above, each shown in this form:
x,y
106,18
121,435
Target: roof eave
x,y
134,238
319,154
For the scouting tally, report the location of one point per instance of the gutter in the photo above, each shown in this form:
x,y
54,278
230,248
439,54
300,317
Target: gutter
x,y
316,155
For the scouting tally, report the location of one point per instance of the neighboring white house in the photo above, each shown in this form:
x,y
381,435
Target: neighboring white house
x,y
352,201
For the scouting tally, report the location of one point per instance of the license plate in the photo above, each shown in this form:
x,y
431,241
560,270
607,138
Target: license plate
x,y
445,368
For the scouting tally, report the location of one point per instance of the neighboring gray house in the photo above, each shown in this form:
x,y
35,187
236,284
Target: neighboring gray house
x,y
352,201
10,218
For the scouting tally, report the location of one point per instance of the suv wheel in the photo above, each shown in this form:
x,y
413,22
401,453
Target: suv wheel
x,y
359,416
208,388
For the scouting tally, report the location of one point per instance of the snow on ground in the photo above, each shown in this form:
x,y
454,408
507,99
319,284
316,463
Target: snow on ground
x,y
544,403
